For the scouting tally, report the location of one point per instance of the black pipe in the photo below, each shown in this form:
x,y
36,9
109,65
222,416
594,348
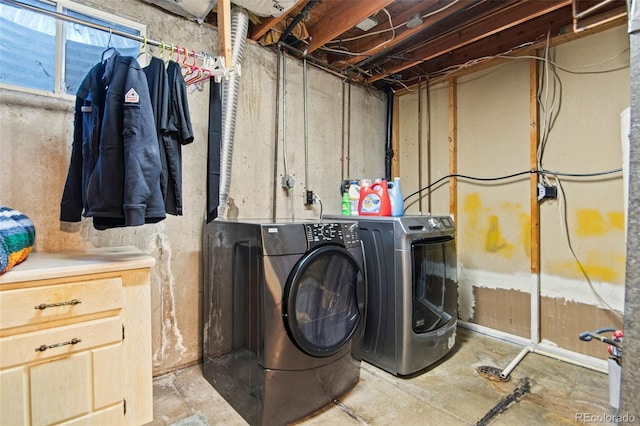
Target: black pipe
x,y
388,143
297,19
213,152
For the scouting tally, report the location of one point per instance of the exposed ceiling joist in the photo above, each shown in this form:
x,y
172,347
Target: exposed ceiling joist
x,y
412,39
344,14
508,17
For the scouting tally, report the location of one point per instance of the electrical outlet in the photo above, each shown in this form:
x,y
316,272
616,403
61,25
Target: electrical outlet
x,y
309,198
549,192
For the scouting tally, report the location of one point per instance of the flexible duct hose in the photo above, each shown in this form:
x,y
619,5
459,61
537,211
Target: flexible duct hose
x,y
230,88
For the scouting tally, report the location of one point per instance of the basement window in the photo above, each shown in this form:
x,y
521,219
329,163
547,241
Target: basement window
x,y
42,53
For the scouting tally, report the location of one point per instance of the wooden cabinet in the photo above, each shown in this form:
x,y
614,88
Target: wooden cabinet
x,y
75,339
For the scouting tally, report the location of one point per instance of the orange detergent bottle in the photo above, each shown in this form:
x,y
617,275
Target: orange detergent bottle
x,y
374,200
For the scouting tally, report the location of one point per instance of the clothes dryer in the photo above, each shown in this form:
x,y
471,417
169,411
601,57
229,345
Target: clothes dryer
x,y
412,291
283,315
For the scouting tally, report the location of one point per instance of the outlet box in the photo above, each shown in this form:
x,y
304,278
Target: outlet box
x,y
287,182
309,198
549,192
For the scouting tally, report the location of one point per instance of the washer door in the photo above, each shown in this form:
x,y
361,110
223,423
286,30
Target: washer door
x,y
320,306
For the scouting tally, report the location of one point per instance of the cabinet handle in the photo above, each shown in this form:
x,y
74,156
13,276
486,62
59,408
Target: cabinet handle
x,y
44,306
43,348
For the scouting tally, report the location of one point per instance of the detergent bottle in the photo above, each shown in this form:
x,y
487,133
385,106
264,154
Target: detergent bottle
x,y
346,204
395,196
374,199
354,196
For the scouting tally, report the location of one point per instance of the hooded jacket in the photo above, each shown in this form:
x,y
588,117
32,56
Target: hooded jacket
x,y
115,164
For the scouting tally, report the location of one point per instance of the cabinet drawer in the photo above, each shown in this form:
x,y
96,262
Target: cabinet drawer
x,y
21,348
35,305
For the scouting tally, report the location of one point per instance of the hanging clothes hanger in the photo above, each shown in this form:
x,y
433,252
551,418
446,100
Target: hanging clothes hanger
x,y
193,70
177,51
109,51
143,48
168,48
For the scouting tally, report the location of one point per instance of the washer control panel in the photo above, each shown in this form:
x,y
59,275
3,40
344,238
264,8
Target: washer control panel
x,y
338,233
440,223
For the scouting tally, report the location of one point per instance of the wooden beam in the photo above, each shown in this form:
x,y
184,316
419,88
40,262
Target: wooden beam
x,y
453,148
534,206
346,14
224,30
533,164
374,44
459,55
268,22
502,20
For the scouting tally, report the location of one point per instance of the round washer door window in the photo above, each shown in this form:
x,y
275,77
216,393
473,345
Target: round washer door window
x,y
320,306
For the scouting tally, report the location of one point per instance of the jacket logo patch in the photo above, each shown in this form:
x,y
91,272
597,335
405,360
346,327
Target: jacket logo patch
x,y
132,96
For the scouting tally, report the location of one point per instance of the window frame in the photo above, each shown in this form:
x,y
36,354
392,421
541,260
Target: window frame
x,y
60,59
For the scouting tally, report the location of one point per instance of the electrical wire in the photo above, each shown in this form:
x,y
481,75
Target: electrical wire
x,y
497,178
456,175
366,53
316,197
392,28
562,210
606,172
452,69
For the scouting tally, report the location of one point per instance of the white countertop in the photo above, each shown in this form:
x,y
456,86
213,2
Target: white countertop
x,y
78,262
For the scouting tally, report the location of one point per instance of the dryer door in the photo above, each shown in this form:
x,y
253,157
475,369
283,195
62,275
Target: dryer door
x,y
320,306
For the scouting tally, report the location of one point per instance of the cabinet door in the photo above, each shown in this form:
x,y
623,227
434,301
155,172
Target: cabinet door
x,y
84,387
14,388
61,389
107,376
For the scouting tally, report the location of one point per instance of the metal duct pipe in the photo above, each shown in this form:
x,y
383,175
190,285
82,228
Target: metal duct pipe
x,y
230,88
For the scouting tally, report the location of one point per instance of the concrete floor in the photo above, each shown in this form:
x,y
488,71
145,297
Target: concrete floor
x,y
450,393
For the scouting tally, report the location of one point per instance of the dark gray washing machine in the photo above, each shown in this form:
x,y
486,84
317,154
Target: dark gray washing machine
x,y
284,308
412,291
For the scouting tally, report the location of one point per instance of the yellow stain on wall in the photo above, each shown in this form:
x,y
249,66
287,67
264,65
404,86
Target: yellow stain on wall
x,y
471,207
494,241
590,223
525,230
599,266
617,220
489,237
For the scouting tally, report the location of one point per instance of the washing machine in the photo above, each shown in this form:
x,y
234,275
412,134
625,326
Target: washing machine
x,y
284,310
412,291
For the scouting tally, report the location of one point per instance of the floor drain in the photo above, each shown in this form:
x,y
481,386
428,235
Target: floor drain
x,y
492,373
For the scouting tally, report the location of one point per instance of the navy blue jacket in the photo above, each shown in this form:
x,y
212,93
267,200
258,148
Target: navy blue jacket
x,y
115,164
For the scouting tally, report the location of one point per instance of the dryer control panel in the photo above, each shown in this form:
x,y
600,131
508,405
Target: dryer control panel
x,y
337,233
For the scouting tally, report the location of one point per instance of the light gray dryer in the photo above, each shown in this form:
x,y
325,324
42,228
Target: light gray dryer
x,y
412,291
284,307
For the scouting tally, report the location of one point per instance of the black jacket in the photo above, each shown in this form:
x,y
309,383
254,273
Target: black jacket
x,y
115,163
173,123
179,132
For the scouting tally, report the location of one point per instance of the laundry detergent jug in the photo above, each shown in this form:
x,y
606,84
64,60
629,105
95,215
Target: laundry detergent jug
x,y
354,196
395,196
374,200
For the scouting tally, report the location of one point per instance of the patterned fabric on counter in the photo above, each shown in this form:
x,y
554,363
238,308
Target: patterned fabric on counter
x,y
17,235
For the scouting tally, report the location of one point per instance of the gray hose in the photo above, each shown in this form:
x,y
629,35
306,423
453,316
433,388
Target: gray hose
x,y
230,89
